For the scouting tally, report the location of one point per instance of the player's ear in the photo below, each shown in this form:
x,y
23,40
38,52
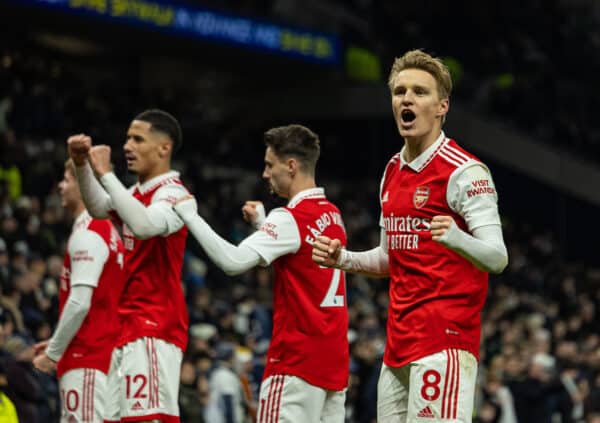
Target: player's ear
x,y
444,106
292,165
165,148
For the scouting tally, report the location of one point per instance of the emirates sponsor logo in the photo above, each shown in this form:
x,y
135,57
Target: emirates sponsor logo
x,y
421,196
137,406
426,413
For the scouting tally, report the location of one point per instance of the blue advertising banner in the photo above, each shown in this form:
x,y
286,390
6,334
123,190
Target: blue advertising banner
x,y
208,25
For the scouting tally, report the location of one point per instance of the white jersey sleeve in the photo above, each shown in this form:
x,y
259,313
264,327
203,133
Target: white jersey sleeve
x,y
97,201
145,222
278,236
232,259
74,313
373,263
161,211
472,194
88,253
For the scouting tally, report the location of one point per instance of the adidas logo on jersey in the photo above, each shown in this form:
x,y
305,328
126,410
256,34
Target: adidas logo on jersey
x,y
426,412
137,406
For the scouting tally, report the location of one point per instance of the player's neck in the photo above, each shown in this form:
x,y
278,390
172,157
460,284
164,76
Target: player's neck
x,y
153,173
414,147
77,209
300,184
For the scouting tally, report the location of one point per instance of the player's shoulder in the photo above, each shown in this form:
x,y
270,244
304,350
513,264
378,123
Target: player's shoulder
x,y
103,227
452,152
170,190
281,213
394,160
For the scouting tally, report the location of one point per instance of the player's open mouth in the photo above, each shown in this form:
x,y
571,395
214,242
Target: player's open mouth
x,y
407,116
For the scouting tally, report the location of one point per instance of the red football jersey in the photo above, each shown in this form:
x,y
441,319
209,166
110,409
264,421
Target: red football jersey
x,y
310,316
92,345
436,296
153,303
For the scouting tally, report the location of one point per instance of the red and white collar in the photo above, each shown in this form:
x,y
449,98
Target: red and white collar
x,y
82,220
307,193
423,159
157,180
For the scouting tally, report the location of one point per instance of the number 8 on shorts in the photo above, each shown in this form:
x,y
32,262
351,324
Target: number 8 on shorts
x,y
442,387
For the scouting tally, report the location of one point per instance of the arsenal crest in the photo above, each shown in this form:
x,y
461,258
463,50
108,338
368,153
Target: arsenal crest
x,y
421,196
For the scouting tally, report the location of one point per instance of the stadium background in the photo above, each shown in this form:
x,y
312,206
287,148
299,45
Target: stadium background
x,y
524,101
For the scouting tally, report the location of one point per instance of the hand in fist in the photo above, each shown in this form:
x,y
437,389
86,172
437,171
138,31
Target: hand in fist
x,y
100,159
79,147
326,251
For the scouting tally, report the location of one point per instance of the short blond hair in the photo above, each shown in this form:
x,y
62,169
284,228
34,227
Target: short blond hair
x,y
70,166
418,59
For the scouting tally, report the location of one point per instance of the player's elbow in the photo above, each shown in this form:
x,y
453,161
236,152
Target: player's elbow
x,y
499,266
142,231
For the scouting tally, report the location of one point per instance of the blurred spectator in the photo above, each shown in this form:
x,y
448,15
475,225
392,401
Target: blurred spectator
x,y
24,389
191,405
541,304
243,366
8,412
541,393
226,390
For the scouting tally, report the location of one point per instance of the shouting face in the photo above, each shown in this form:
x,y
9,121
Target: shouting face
x,y
417,107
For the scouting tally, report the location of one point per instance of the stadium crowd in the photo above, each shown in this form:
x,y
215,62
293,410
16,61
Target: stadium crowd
x,y
540,339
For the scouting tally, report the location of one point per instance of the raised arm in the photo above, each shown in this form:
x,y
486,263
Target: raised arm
x,y
144,222
230,258
472,194
260,248
373,263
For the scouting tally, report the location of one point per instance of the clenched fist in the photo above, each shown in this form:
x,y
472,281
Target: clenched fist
x,y
326,251
100,159
440,226
79,147
254,213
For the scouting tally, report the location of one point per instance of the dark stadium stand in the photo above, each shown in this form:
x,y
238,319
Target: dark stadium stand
x,y
541,332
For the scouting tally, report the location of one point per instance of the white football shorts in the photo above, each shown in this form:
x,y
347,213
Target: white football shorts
x,y
290,399
436,388
146,382
83,396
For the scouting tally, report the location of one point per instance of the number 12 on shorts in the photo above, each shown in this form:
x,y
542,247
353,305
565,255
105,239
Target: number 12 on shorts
x,y
135,385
